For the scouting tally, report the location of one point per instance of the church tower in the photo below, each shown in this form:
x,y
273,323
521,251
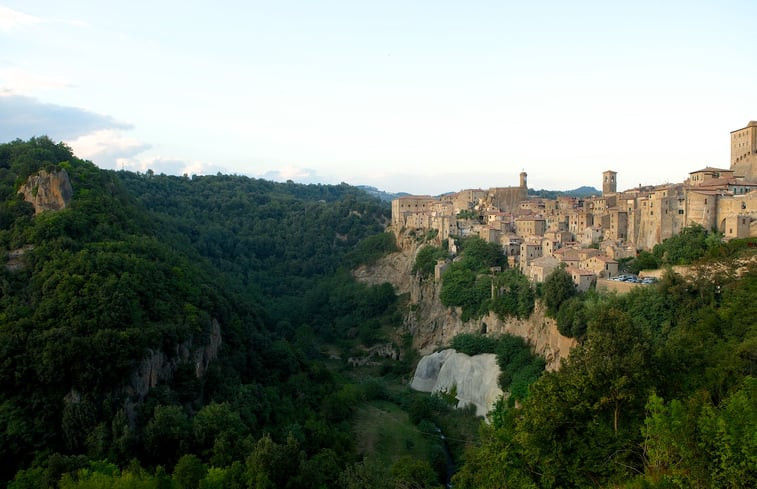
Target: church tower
x,y
609,182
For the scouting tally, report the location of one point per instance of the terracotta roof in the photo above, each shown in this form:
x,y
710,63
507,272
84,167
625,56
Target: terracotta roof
x,y
579,271
711,192
415,197
530,218
545,261
709,168
751,124
605,259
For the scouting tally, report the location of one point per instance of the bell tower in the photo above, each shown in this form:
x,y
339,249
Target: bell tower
x,y
609,182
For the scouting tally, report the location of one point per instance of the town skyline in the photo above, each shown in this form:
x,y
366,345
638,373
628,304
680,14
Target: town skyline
x,y
421,98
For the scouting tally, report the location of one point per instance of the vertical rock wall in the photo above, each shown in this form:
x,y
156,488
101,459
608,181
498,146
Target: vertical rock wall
x,y
48,191
433,325
474,379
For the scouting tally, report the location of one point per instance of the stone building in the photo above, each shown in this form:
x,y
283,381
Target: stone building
x,y
530,249
638,218
601,266
404,206
424,213
744,151
581,278
530,226
541,267
579,220
609,183
708,175
507,199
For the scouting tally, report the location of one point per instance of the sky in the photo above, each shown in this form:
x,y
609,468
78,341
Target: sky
x,y
410,96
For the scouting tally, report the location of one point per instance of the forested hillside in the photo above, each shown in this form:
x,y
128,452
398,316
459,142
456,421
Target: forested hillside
x,y
173,332
660,394
160,326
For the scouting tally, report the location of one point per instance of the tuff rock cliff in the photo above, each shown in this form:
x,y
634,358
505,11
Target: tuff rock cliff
x,y
48,191
473,379
433,325
158,367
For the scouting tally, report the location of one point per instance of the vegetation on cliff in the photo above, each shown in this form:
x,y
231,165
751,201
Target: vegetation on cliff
x,y
112,300
519,367
470,283
685,248
659,394
112,373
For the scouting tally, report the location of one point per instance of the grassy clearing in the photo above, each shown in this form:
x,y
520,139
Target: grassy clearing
x,y
384,431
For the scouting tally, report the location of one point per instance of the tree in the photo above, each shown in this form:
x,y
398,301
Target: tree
x,y
425,260
558,287
189,471
167,433
411,473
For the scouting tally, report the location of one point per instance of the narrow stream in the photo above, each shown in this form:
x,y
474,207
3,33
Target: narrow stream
x,y
450,463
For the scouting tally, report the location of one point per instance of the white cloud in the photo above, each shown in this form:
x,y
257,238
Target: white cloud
x,y
15,81
24,117
296,174
12,19
108,148
159,164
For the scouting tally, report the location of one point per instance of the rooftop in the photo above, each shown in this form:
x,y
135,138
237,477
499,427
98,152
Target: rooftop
x,y
711,169
751,124
579,271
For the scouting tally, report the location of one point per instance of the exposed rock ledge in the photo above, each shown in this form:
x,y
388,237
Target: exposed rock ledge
x,y
47,191
475,379
433,325
158,367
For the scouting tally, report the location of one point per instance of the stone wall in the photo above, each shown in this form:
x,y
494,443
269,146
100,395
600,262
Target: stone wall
x,y
507,199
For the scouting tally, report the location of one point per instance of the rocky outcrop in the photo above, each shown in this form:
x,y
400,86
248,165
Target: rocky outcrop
x,y
473,379
159,367
48,191
433,325
16,258
374,353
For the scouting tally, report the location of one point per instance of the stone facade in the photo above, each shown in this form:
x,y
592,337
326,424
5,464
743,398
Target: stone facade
x,y
609,182
530,226
744,151
617,222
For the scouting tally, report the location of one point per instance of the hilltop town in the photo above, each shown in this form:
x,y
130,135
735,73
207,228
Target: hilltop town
x,y
590,235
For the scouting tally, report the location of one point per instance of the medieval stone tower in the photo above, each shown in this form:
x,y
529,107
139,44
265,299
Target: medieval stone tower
x,y
609,182
744,151
523,176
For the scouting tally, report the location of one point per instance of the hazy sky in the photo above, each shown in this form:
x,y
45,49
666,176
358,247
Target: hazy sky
x,y
415,96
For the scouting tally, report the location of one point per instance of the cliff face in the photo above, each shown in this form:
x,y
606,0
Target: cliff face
x,y
433,325
158,367
474,379
48,191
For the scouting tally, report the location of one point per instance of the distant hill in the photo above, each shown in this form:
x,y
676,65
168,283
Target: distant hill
x,y
385,196
584,191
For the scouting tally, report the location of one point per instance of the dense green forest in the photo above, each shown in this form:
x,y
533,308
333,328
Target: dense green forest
x,y
660,393
167,331
175,332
